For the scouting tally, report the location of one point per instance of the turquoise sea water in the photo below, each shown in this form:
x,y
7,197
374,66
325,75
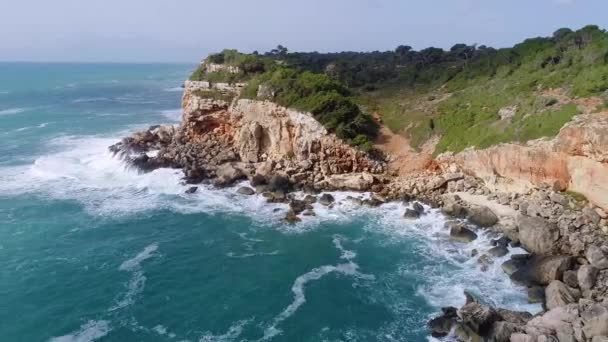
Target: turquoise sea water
x,y
92,251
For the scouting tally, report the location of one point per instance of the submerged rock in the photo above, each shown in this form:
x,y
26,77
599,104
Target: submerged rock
x,y
191,190
326,199
245,190
411,214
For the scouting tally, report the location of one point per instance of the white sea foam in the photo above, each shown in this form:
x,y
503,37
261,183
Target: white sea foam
x,y
250,255
88,332
172,114
231,335
174,89
135,262
11,111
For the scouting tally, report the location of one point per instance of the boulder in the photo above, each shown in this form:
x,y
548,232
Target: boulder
x,y
191,190
511,266
411,214
441,326
310,199
516,317
349,181
498,251
478,317
542,270
595,320
291,217
586,277
466,334
482,216
297,206
537,235
462,234
452,207
570,278
326,199
597,257
418,208
278,182
245,190
559,199
258,179
227,174
559,294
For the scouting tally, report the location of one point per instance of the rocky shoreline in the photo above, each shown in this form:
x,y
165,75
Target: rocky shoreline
x,y
221,141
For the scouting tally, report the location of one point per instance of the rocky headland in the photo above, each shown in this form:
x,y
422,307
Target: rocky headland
x,y
548,196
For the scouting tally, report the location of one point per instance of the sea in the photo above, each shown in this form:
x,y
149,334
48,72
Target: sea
x,y
91,250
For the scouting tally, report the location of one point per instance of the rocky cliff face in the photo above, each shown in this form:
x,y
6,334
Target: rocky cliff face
x,y
255,137
575,160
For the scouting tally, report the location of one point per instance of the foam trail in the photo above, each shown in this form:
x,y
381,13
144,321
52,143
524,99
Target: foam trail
x,y
299,297
174,89
232,334
175,115
132,264
88,332
138,280
11,111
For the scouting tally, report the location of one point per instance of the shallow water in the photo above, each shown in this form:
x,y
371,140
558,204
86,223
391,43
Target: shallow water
x,y
92,251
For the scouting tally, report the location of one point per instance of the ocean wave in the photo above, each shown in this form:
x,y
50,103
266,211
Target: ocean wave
x,y
135,262
88,332
175,115
231,335
174,89
11,111
91,99
299,298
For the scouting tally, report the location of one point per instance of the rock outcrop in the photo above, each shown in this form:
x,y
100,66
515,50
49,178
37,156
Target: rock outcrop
x,y
577,160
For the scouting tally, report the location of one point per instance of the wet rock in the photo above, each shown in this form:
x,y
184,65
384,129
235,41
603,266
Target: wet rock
x,y
511,266
258,179
478,317
542,270
498,251
310,199
326,199
418,208
309,212
586,277
278,183
297,206
192,189
373,202
536,294
516,317
411,214
245,190
291,217
462,234
485,261
597,257
559,294
482,216
441,326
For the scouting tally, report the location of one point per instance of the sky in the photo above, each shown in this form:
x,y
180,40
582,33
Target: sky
x,y
188,30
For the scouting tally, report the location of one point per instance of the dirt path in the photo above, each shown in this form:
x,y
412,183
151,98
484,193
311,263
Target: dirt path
x,y
404,159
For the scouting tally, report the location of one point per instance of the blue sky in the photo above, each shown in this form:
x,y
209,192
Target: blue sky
x,y
186,30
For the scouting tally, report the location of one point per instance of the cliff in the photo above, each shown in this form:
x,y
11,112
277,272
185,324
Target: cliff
x,y
575,160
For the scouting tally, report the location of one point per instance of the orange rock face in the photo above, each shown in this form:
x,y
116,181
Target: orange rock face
x,y
577,160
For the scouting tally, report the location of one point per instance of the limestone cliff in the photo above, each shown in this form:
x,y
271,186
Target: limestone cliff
x,y
575,160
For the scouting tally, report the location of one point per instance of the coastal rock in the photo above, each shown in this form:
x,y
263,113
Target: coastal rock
x,y
352,181
326,199
482,216
536,294
542,270
559,294
411,214
227,174
586,277
537,235
597,257
191,190
595,320
478,317
245,190
498,251
570,278
462,234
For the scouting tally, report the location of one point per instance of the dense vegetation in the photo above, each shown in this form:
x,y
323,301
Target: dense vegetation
x,y
456,94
